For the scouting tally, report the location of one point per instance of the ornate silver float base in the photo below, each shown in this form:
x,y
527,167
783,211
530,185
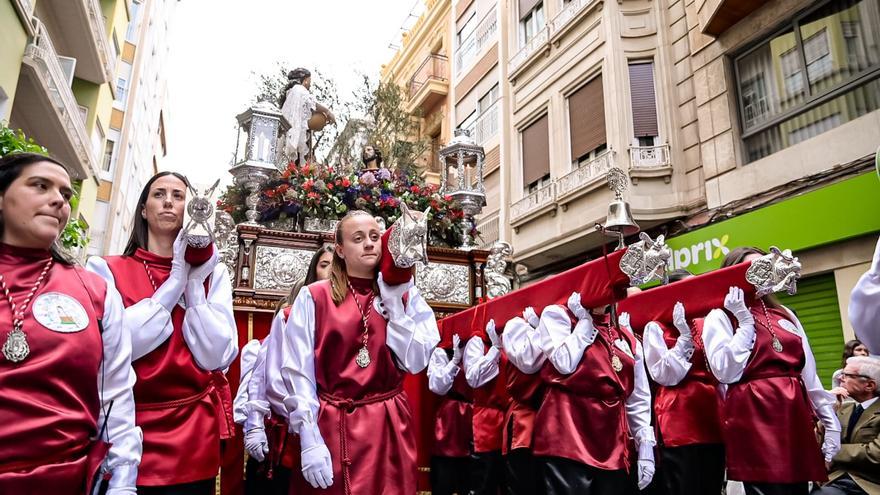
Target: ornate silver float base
x,y
319,225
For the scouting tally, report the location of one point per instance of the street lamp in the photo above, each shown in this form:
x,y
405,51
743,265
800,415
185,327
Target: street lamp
x,y
264,125
461,177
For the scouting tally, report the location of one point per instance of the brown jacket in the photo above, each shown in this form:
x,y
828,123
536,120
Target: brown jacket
x,y
860,458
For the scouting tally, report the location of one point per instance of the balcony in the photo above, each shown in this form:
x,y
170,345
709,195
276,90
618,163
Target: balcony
x,y
583,179
79,29
483,36
429,85
568,17
538,44
46,109
717,16
650,161
486,125
535,204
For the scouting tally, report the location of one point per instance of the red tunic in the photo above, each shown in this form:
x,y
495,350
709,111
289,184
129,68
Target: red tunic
x,y
365,418
583,415
51,402
769,421
689,413
519,419
453,432
180,407
490,404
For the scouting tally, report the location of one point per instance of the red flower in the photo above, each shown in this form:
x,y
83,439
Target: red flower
x,y
415,189
308,185
346,182
447,198
330,185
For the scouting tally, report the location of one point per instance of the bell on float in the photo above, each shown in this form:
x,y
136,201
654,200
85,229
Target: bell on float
x,y
619,222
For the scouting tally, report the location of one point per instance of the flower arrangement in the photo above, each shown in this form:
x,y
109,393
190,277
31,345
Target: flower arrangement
x,y
325,193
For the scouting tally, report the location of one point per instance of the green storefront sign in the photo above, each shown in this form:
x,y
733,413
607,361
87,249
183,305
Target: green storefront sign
x,y
834,213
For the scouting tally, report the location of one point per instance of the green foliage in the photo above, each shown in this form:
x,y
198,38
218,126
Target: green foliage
x,y
12,141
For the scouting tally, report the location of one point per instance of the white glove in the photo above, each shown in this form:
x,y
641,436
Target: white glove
x,y
168,294
735,302
646,465
574,305
679,320
457,353
317,468
494,338
531,317
201,273
256,444
623,319
831,444
128,490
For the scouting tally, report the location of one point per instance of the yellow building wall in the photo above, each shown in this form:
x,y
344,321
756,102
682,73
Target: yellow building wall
x,y
13,39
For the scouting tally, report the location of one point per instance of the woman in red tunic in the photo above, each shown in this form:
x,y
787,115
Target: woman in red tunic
x,y
183,334
65,370
347,349
596,398
773,393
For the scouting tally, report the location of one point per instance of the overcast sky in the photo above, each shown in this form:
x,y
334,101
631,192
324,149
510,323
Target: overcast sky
x,y
217,44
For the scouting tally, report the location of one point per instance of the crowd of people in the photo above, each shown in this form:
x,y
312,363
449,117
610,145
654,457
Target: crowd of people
x,y
114,375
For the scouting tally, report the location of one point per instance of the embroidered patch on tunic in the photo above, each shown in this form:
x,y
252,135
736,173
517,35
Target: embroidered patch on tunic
x,y
60,313
787,325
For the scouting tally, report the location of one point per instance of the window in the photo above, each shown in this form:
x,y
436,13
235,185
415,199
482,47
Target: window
x,y
121,87
134,22
536,154
467,30
468,122
487,100
586,121
531,19
109,151
115,45
644,102
818,72
98,140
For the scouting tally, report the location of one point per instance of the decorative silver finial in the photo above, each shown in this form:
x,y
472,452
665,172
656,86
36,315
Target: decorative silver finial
x,y
646,260
774,272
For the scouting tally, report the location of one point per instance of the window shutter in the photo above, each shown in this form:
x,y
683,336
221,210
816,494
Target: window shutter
x,y
644,103
536,151
586,118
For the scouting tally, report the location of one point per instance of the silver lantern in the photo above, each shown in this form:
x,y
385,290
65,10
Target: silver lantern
x,y
263,125
461,177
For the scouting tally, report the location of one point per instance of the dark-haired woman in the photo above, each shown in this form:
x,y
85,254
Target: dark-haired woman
x,y
347,347
853,347
183,333
773,393
265,424
65,371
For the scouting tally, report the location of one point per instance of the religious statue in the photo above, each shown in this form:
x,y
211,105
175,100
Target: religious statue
x,y
497,283
304,114
371,157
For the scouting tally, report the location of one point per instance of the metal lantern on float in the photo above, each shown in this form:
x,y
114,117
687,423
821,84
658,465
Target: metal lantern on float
x,y
264,126
619,222
461,177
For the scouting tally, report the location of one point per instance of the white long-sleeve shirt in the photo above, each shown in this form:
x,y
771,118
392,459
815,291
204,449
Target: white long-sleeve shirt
x,y
411,334
266,388
565,353
728,356
208,326
522,345
441,372
480,366
248,358
115,385
864,306
667,366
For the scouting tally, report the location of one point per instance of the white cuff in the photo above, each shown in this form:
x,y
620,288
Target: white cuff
x,y
123,475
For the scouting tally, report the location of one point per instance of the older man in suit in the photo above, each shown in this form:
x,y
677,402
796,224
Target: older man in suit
x,y
856,468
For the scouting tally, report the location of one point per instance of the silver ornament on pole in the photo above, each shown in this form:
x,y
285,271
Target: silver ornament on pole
x,y
461,177
619,222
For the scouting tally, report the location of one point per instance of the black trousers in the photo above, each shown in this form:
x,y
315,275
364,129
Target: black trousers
x,y
692,469
841,486
203,487
776,488
487,473
450,475
257,482
564,476
521,475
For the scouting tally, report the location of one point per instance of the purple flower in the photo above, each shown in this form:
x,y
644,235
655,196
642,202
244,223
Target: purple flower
x,y
383,174
368,179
